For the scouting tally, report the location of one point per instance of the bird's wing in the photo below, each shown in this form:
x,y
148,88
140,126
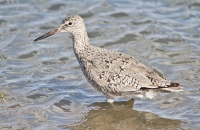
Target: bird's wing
x,y
120,72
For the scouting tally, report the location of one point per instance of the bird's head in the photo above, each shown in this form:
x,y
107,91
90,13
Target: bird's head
x,y
73,24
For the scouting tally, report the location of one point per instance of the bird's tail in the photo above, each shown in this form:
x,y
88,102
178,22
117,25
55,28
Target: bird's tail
x,y
173,87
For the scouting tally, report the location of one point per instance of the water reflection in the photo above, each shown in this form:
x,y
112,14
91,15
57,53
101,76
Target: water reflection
x,y
120,115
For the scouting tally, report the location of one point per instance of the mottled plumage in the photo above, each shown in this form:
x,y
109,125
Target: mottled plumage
x,y
110,72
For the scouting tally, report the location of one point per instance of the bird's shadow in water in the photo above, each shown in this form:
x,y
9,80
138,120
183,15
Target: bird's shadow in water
x,y
120,115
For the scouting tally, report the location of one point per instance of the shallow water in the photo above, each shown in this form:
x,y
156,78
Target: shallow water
x,y
44,87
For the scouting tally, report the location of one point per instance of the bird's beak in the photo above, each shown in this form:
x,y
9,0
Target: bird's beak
x,y
57,30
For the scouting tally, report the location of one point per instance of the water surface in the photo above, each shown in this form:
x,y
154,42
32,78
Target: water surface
x,y
44,87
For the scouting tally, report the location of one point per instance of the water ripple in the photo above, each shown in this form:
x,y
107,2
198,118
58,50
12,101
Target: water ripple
x,y
44,87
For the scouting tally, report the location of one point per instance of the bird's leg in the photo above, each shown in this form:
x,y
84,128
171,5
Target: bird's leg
x,y
109,98
110,101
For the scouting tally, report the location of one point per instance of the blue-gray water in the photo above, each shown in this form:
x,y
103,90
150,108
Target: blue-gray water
x,y
44,87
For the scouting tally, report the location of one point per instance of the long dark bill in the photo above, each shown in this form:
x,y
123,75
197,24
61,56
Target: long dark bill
x,y
48,34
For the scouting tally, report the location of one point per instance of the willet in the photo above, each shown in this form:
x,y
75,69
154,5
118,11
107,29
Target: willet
x,y
110,72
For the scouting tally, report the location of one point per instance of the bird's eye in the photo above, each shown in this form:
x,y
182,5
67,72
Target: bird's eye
x,y
70,23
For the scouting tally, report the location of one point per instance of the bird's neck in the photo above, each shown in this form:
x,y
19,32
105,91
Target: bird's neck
x,y
81,42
